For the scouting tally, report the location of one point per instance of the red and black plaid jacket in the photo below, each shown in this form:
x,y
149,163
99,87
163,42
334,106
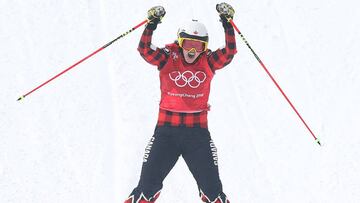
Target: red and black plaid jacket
x,y
159,56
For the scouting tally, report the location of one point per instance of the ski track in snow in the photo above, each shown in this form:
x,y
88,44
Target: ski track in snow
x,y
81,138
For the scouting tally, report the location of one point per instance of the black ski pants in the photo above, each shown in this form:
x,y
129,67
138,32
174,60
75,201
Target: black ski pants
x,y
164,149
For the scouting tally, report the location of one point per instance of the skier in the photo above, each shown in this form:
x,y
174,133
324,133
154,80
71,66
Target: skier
x,y
186,68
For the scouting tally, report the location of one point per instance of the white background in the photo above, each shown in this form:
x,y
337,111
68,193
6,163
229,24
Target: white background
x,y
81,138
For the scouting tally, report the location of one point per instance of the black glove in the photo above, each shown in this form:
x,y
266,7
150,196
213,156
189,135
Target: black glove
x,y
226,13
155,14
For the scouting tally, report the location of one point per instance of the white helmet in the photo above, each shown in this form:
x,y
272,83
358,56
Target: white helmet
x,y
193,30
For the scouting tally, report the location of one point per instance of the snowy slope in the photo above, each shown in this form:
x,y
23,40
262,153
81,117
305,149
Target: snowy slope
x,y
81,138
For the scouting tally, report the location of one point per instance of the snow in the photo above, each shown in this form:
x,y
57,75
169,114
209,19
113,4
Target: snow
x,y
81,138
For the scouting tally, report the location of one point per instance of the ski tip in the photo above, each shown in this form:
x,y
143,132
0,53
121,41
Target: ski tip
x,y
21,98
318,141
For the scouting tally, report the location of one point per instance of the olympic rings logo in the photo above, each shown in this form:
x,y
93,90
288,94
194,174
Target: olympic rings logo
x,y
188,78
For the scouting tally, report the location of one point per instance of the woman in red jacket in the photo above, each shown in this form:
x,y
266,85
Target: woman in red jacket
x,y
186,68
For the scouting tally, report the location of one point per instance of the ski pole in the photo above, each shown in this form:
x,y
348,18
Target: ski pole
x,y
276,84
85,58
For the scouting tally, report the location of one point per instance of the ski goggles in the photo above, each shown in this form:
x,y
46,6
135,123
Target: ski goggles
x,y
192,44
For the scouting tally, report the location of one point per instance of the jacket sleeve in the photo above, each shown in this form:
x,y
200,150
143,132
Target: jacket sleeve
x,y
151,53
221,57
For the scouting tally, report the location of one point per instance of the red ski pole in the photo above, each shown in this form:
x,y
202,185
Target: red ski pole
x,y
85,58
276,84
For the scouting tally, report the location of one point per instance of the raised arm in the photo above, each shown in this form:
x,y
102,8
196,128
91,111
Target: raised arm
x,y
147,50
223,56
